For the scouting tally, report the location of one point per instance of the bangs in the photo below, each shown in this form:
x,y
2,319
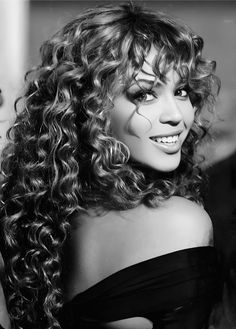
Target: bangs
x,y
166,58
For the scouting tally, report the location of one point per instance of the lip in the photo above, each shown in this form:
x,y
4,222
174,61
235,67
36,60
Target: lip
x,y
172,133
169,148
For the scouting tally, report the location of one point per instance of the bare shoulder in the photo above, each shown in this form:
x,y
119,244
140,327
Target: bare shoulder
x,y
186,208
192,219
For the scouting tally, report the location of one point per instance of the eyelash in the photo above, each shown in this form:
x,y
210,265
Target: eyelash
x,y
186,89
143,94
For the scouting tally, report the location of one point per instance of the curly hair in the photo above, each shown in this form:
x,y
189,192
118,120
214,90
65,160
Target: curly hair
x,y
62,156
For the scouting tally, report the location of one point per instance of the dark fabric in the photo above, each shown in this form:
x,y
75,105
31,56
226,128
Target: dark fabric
x,y
174,291
225,243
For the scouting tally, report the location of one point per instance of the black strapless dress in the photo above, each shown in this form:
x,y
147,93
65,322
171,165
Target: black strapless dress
x,y
175,291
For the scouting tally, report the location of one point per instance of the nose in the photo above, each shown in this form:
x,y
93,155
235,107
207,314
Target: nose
x,y
171,112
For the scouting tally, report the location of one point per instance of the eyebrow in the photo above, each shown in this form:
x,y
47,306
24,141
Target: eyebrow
x,y
156,82
152,83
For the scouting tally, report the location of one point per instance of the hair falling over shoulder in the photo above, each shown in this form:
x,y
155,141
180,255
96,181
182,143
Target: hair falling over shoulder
x,y
62,157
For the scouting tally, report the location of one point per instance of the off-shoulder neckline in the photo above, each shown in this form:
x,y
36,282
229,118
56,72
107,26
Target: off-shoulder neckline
x,y
146,262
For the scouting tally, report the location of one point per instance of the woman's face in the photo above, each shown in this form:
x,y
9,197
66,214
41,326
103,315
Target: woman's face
x,y
155,133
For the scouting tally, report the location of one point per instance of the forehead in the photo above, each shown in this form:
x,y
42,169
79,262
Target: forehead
x,y
147,68
147,73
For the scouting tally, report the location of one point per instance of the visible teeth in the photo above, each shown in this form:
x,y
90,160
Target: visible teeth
x,y
169,139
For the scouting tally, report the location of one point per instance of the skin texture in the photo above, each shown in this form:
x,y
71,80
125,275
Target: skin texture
x,y
166,110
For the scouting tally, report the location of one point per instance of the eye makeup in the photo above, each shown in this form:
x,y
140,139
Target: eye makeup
x,y
142,96
141,91
146,91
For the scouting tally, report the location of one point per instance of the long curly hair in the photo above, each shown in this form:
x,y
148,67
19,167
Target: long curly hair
x,y
62,156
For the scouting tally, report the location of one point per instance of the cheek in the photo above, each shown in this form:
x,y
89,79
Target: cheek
x,y
138,125
126,120
191,120
189,115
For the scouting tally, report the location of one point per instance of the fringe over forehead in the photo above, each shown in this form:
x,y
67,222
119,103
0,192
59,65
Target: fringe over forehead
x,y
112,42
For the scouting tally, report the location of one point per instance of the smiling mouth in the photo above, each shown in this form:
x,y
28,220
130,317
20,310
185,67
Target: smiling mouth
x,y
167,140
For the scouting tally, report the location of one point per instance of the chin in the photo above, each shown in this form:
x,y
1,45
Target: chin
x,y
167,164
168,169
160,163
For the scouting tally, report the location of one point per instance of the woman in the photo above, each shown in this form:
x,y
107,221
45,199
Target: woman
x,y
102,177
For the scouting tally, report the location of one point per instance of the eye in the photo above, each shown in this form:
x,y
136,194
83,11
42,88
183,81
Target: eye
x,y
182,92
143,96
